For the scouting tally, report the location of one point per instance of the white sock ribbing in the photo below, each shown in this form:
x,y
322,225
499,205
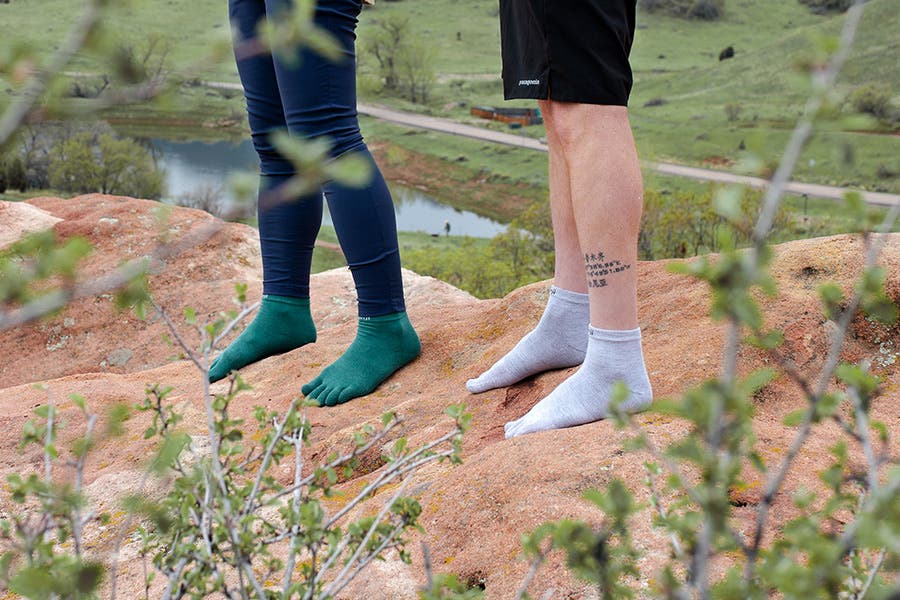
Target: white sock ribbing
x,y
559,340
584,397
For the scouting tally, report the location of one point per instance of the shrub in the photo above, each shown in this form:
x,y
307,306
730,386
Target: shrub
x,y
687,224
15,174
873,99
733,111
707,10
827,6
225,523
103,163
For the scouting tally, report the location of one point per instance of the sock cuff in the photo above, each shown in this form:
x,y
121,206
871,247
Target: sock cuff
x,y
397,316
286,300
614,335
568,295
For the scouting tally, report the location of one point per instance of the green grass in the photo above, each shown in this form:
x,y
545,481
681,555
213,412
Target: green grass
x,y
674,60
677,61
195,30
414,240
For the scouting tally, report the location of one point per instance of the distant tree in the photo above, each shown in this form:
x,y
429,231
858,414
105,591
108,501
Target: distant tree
x,y
15,174
415,61
106,164
148,60
385,43
405,60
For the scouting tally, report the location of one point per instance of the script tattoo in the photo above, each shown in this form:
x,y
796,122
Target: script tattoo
x,y
599,267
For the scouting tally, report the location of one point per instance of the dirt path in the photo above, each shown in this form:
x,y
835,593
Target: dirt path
x,y
454,128
418,121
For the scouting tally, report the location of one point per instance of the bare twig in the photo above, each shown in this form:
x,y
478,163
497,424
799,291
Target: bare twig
x,y
426,564
529,576
174,331
771,203
872,574
251,505
862,424
77,522
342,578
831,362
296,440
240,317
824,82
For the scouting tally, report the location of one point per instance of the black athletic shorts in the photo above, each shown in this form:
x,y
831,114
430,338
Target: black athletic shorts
x,y
567,50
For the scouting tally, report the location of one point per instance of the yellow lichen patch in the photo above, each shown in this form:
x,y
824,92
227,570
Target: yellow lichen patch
x,y
489,331
656,419
447,367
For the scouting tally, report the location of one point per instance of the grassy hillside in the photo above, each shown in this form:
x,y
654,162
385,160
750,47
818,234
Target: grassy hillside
x,y
676,69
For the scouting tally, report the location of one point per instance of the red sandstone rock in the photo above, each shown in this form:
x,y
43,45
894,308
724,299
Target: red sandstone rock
x,y
474,514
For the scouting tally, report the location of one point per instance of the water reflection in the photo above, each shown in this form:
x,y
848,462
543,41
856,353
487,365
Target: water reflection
x,y
192,167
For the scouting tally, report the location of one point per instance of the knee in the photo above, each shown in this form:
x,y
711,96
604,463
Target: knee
x,y
271,162
574,125
566,123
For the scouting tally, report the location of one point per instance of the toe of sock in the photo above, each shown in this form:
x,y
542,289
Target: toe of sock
x,y
330,396
316,392
217,371
310,387
474,386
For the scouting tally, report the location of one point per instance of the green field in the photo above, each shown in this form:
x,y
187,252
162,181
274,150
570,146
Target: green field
x,y
675,61
678,73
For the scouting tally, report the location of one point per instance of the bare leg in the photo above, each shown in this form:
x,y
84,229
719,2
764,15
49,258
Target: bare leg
x,y
606,197
568,272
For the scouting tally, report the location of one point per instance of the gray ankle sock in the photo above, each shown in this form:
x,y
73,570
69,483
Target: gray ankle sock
x,y
559,340
584,397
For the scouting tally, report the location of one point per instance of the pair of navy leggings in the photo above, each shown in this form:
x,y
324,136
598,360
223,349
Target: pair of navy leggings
x,y
313,97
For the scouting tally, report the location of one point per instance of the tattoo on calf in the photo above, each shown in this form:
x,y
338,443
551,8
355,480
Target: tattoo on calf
x,y
598,267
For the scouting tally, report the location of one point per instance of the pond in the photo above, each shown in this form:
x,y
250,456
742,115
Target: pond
x,y
194,165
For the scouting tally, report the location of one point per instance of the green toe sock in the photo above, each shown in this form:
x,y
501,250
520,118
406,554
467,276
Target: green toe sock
x,y
281,324
382,345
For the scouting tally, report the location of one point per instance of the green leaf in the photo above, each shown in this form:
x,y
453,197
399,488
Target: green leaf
x,y
171,449
794,418
79,401
882,430
727,203
33,582
116,416
351,170
832,298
